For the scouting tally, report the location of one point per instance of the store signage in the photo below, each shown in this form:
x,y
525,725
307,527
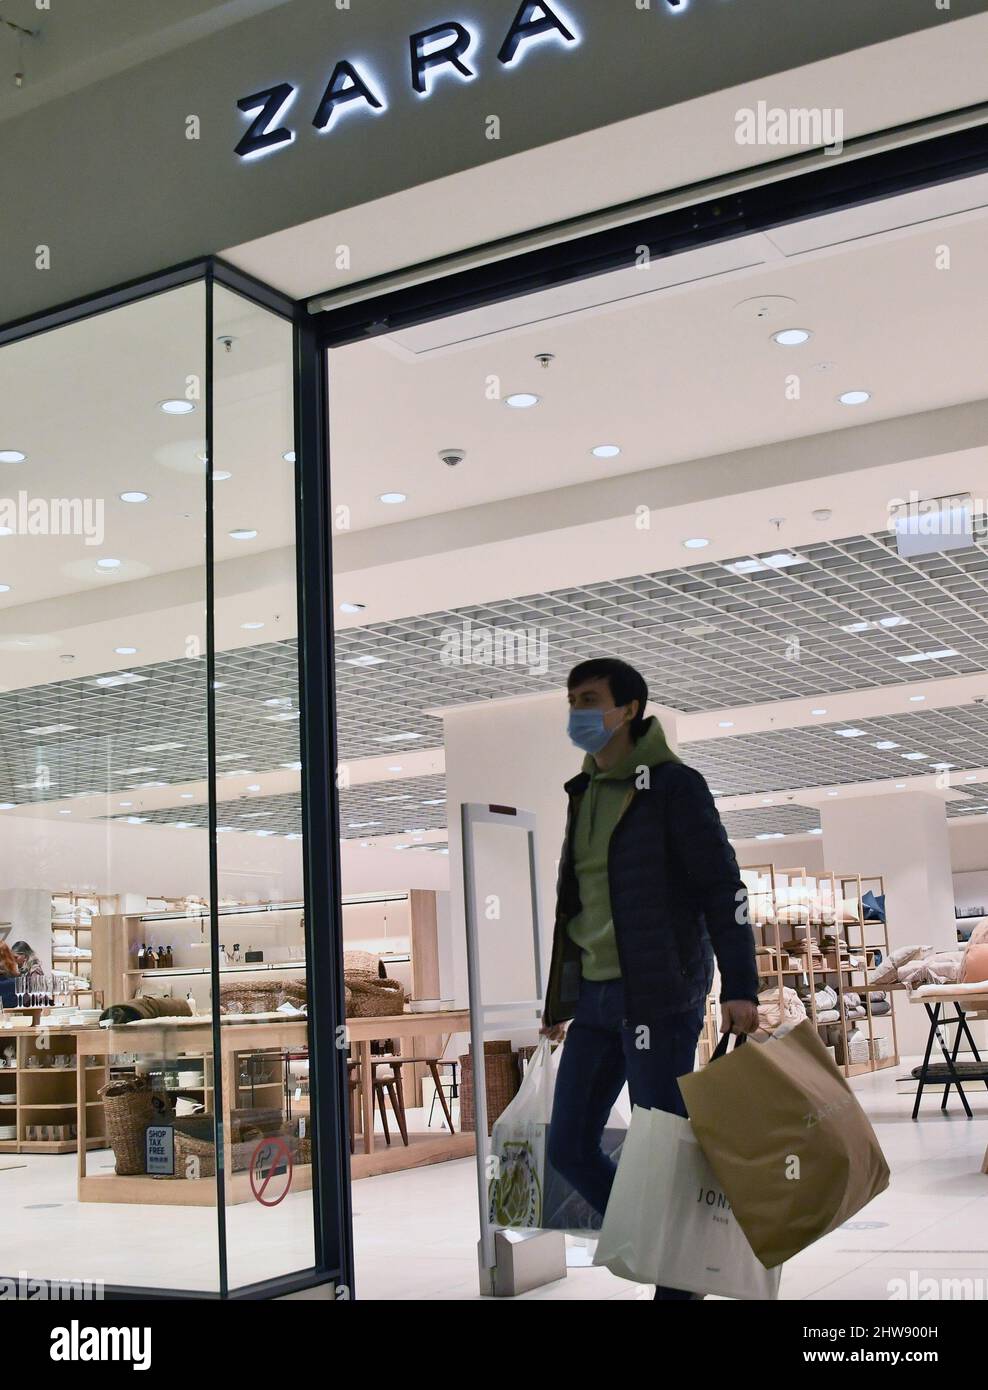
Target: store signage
x,y
444,49
160,1150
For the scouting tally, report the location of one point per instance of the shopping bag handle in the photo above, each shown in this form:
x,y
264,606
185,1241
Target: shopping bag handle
x,y
721,1049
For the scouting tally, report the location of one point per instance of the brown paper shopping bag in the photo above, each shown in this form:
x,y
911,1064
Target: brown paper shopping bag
x,y
793,1149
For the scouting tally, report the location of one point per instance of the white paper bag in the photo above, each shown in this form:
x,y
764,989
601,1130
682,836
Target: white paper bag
x,y
668,1221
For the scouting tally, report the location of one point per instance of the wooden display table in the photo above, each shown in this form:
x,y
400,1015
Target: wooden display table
x,y
422,1149
169,1039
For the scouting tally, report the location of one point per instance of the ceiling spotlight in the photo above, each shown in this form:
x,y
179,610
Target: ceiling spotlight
x,y
818,711
916,699
4,588
243,534
822,514
177,407
108,564
12,456
352,607
290,456
522,400
251,627
220,475
726,724
393,499
125,651
134,496
817,831
606,451
833,793
792,337
696,543
854,397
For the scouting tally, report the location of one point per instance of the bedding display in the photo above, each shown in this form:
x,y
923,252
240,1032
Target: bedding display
x,y
821,944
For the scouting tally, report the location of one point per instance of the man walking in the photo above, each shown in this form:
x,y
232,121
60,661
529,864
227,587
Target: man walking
x,y
649,895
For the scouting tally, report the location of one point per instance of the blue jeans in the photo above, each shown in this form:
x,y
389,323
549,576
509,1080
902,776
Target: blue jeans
x,y
600,1055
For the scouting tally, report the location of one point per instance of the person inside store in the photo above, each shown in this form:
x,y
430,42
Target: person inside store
x,y
9,970
29,965
649,896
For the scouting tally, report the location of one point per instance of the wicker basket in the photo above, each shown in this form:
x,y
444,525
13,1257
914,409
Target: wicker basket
x,y
195,1139
501,1082
128,1109
368,996
260,996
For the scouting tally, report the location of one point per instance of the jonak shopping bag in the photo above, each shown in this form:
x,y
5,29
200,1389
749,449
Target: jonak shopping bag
x,y
669,1221
525,1191
787,1138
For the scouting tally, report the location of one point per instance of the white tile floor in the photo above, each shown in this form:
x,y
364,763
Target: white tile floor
x,y
416,1231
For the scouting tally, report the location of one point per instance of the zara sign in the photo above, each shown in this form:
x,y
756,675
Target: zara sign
x,y
442,49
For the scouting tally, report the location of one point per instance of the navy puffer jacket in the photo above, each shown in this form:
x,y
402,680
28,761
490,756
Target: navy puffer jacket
x,y
677,901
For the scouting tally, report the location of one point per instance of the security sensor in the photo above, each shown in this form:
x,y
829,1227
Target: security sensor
x,y
452,457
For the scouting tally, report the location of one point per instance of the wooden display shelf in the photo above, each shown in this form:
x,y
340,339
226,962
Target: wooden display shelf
x,y
178,1192
57,1095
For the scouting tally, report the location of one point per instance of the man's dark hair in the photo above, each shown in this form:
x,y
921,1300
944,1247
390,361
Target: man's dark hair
x,y
625,684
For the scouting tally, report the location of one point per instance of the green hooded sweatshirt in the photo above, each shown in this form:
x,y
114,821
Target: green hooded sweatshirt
x,y
600,809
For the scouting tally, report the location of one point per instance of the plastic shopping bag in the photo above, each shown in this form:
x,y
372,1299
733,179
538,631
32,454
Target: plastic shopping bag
x,y
525,1191
669,1222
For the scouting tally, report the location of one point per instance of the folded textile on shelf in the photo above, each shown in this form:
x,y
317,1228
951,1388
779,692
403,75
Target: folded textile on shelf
x,y
828,1016
771,1015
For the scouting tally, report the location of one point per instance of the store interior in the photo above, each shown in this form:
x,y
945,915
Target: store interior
x,y
695,465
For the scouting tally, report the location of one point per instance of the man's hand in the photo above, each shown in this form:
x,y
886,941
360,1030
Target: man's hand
x,y
738,1016
555,1033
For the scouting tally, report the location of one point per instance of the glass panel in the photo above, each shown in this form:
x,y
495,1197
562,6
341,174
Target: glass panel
x,y
103,731
263,985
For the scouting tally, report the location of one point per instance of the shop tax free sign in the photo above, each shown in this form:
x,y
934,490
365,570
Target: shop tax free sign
x,y
443,50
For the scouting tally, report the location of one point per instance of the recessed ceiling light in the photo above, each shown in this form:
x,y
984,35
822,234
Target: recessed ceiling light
x,y
254,787
136,820
792,337
916,699
434,801
220,475
854,397
292,767
779,561
6,531
396,769
290,456
182,825
159,747
606,451
125,803
696,543
944,767
125,651
177,407
522,400
188,796
251,627
885,745
768,801
818,711
393,499
775,835
726,724
243,533
278,702
4,588
364,661
108,563
916,757
941,655
7,805
396,738
900,786
52,729
833,793
817,831
851,733
65,813
352,607
12,456
122,678
394,798
134,496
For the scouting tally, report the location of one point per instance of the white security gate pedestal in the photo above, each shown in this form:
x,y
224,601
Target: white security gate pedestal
x,y
511,1262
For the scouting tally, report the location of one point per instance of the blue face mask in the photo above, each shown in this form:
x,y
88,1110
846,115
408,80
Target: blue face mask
x,y
588,730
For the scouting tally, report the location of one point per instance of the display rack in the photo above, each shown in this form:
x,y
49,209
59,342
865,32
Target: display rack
x,y
74,912
801,917
47,1093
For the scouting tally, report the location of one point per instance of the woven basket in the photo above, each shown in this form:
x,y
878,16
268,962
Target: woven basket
x,y
260,996
194,1138
367,996
128,1109
501,1082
